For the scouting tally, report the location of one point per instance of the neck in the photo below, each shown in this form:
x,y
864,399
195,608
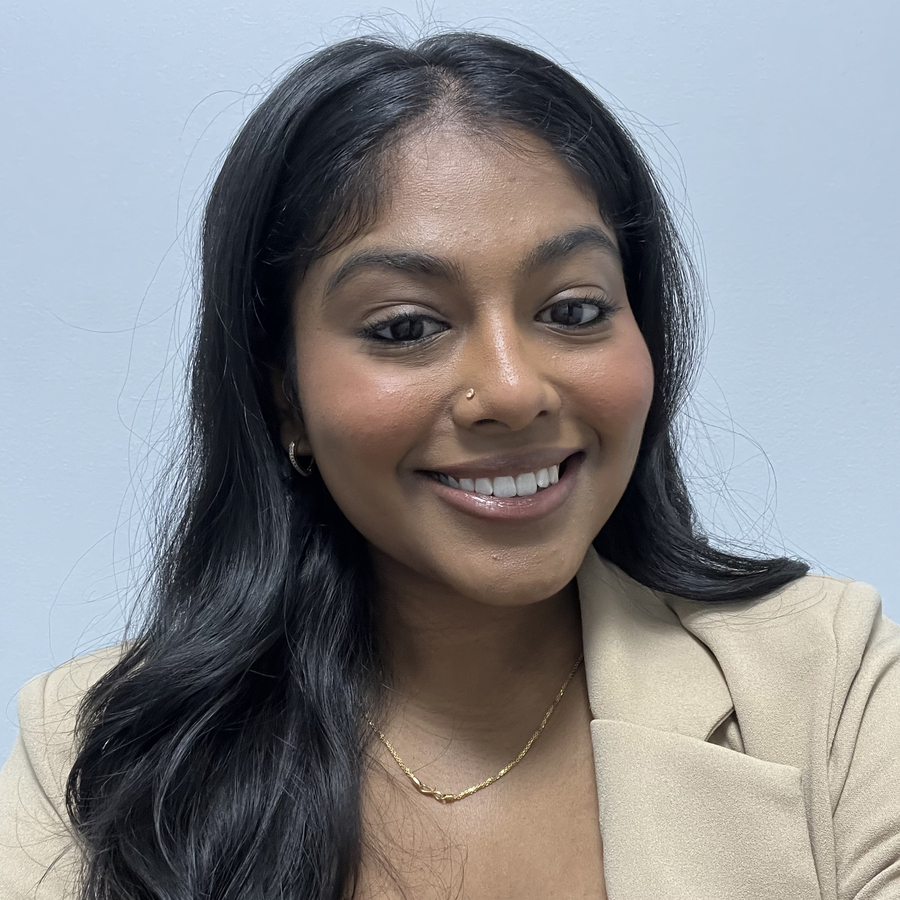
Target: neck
x,y
476,669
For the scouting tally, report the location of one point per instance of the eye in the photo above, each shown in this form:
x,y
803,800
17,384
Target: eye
x,y
579,312
403,329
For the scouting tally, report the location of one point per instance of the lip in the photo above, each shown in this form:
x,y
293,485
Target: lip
x,y
533,506
509,463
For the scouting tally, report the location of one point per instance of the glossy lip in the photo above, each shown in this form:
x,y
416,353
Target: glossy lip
x,y
509,463
534,506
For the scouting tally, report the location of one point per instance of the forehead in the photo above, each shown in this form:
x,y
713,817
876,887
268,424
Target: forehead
x,y
477,202
461,190
471,208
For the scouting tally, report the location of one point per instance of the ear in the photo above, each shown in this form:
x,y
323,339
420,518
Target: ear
x,y
292,426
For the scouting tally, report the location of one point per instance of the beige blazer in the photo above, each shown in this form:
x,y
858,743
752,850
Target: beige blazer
x,y
743,751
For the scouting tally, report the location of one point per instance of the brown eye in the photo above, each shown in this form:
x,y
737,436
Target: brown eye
x,y
576,313
404,329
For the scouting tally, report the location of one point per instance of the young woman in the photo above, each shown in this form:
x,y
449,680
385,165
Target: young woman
x,y
433,617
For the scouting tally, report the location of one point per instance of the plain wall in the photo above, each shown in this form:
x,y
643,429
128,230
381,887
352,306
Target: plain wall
x,y
776,125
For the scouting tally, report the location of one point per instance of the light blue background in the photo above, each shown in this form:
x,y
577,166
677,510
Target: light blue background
x,y
776,125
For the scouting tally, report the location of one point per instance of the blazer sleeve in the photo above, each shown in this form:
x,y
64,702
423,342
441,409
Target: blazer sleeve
x,y
864,772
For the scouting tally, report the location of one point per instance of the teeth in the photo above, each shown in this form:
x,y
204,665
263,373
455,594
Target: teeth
x,y
505,485
526,484
484,486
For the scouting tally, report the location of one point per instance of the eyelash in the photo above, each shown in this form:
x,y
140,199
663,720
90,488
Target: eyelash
x,y
604,310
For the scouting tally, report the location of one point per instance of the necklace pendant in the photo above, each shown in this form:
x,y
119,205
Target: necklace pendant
x,y
431,792
422,788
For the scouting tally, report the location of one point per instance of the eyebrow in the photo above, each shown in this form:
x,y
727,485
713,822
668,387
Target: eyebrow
x,y
415,262
562,245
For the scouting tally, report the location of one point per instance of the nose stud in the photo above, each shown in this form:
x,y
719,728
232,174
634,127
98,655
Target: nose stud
x,y
470,393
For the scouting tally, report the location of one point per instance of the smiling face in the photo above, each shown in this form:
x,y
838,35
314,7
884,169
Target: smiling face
x,y
477,335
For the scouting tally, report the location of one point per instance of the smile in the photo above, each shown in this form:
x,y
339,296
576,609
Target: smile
x,y
523,485
525,496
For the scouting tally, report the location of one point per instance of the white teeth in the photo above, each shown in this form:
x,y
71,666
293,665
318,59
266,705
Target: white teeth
x,y
523,485
526,484
505,486
484,486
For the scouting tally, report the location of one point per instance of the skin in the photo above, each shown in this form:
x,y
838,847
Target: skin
x,y
478,618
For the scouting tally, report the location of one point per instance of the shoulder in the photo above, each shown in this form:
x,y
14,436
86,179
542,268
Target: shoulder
x,y
812,619
54,696
819,654
48,709
829,660
814,628
36,839
782,661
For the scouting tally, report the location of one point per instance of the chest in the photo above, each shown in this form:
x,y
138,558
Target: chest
x,y
531,836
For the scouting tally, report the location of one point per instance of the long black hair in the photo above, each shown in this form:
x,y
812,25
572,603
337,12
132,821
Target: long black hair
x,y
222,756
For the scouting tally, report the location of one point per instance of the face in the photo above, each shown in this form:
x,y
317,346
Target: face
x,y
474,343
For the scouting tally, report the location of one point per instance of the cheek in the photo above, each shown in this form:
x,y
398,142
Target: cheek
x,y
617,392
361,416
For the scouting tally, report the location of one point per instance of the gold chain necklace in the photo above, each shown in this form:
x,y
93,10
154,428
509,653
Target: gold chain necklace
x,y
452,798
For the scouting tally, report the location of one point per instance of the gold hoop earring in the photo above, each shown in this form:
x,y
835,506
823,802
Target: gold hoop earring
x,y
304,472
470,393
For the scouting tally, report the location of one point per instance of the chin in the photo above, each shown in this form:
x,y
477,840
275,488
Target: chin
x,y
517,582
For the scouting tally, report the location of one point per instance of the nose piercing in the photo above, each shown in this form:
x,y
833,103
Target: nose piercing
x,y
470,393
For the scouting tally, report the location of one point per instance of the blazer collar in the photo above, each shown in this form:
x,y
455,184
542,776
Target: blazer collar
x,y
681,818
642,665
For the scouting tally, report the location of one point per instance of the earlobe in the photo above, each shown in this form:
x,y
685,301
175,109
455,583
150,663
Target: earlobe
x,y
292,428
293,433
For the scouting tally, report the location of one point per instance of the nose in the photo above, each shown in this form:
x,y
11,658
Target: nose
x,y
508,378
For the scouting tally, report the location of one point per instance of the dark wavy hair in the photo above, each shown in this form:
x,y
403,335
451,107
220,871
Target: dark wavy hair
x,y
222,756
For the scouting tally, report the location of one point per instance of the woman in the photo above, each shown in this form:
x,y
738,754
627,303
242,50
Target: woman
x,y
434,618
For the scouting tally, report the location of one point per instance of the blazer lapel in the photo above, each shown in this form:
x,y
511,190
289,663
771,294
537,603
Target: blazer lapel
x,y
681,818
